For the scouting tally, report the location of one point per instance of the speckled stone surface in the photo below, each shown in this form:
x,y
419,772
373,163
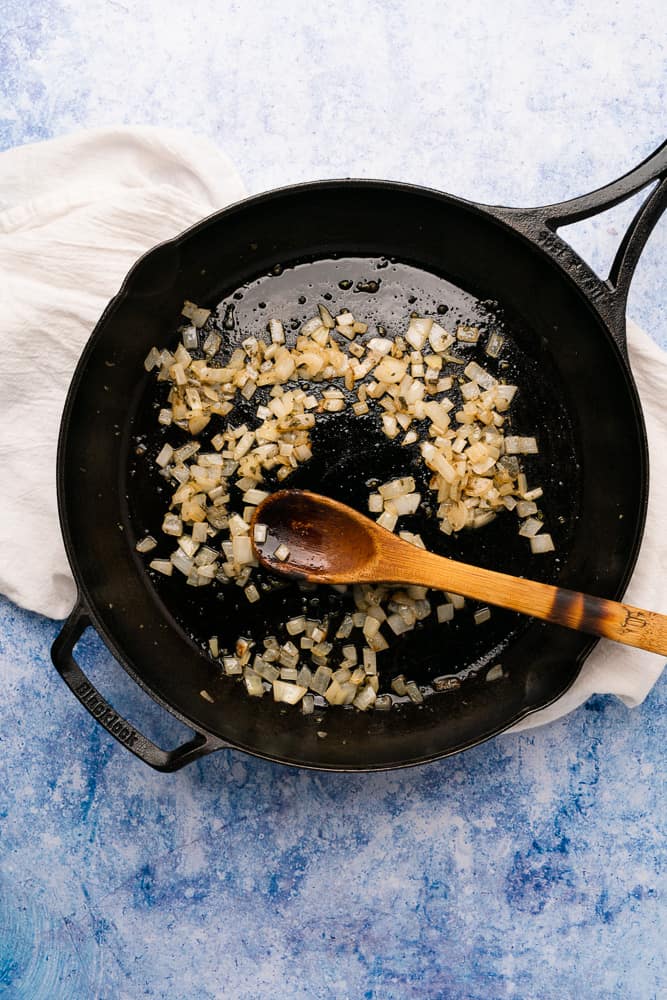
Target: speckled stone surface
x,y
530,867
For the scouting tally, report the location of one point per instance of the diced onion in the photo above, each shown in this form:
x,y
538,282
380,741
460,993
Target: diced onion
x,y
308,704
439,339
456,600
494,344
457,425
194,313
163,566
146,544
172,525
414,693
397,488
165,456
530,527
467,334
525,508
253,683
153,359
288,693
541,543
387,520
405,504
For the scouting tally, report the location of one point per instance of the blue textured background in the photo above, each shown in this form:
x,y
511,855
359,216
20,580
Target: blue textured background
x,y
531,867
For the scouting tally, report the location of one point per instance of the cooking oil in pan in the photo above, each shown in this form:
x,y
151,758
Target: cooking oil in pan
x,y
351,455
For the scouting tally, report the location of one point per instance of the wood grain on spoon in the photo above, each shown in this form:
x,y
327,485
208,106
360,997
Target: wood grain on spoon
x,y
329,542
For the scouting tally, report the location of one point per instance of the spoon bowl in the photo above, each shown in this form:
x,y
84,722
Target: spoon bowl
x,y
314,538
328,542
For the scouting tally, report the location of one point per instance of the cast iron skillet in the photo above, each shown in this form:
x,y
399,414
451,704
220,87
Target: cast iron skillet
x,y
403,248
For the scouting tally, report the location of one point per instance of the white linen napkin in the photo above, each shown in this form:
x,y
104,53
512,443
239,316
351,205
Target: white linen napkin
x,y
75,213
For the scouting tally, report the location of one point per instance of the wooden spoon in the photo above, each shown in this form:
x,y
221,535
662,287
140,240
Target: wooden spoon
x,y
328,542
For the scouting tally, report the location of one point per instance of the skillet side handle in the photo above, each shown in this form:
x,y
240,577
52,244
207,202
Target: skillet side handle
x,y
610,295
92,700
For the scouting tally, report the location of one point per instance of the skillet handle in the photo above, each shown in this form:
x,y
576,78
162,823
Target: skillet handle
x,y
610,295
92,700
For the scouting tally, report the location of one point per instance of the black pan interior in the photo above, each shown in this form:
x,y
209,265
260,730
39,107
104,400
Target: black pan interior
x,y
280,256
351,455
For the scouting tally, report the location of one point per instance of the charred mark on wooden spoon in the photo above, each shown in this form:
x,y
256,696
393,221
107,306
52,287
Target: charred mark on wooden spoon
x,y
578,611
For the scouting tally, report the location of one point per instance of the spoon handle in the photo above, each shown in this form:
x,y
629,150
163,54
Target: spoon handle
x,y
596,615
